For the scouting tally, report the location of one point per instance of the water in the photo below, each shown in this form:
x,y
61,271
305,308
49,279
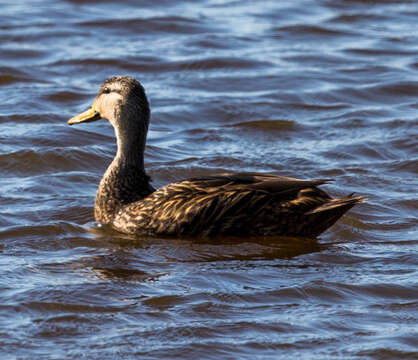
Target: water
x,y
310,89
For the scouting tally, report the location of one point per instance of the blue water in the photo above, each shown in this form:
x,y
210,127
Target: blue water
x,y
310,89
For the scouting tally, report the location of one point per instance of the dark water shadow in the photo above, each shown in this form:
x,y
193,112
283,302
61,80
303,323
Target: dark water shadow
x,y
208,250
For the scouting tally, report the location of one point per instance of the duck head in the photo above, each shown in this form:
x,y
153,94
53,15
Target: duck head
x,y
122,101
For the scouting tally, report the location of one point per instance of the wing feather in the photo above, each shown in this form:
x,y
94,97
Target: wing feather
x,y
231,203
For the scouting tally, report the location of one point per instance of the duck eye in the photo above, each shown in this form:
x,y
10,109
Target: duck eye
x,y
106,90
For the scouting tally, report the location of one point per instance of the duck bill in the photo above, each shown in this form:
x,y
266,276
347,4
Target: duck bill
x,y
87,116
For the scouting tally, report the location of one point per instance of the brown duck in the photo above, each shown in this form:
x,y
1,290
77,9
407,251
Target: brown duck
x,y
230,204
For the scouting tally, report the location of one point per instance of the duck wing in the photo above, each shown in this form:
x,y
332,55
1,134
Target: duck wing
x,y
258,182
235,204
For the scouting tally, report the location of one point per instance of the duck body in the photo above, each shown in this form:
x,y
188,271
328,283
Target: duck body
x,y
239,204
228,204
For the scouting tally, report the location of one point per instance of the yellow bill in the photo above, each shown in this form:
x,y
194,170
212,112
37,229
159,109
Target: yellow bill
x,y
87,116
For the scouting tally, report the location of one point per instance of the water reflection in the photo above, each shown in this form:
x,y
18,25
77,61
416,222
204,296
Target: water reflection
x,y
207,250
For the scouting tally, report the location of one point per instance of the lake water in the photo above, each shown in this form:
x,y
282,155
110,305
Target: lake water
x,y
309,89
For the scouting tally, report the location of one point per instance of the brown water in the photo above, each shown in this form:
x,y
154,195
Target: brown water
x,y
310,89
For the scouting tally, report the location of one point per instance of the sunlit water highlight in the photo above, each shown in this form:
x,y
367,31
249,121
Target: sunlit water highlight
x,y
310,89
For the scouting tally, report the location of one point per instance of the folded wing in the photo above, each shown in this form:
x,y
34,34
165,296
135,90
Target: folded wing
x,y
249,204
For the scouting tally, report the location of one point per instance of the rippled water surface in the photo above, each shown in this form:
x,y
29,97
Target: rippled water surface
x,y
309,89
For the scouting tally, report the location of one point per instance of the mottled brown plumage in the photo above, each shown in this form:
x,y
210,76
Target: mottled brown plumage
x,y
230,204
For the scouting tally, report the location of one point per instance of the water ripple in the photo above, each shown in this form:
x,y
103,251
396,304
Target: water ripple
x,y
305,89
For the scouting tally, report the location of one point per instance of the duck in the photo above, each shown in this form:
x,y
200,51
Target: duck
x,y
228,204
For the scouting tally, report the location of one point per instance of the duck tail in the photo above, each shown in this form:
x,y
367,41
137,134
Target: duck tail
x,y
342,204
326,215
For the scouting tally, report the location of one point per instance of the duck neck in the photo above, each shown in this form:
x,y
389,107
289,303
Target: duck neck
x,y
130,149
125,180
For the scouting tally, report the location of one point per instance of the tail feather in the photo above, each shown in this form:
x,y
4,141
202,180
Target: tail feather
x,y
326,215
346,202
